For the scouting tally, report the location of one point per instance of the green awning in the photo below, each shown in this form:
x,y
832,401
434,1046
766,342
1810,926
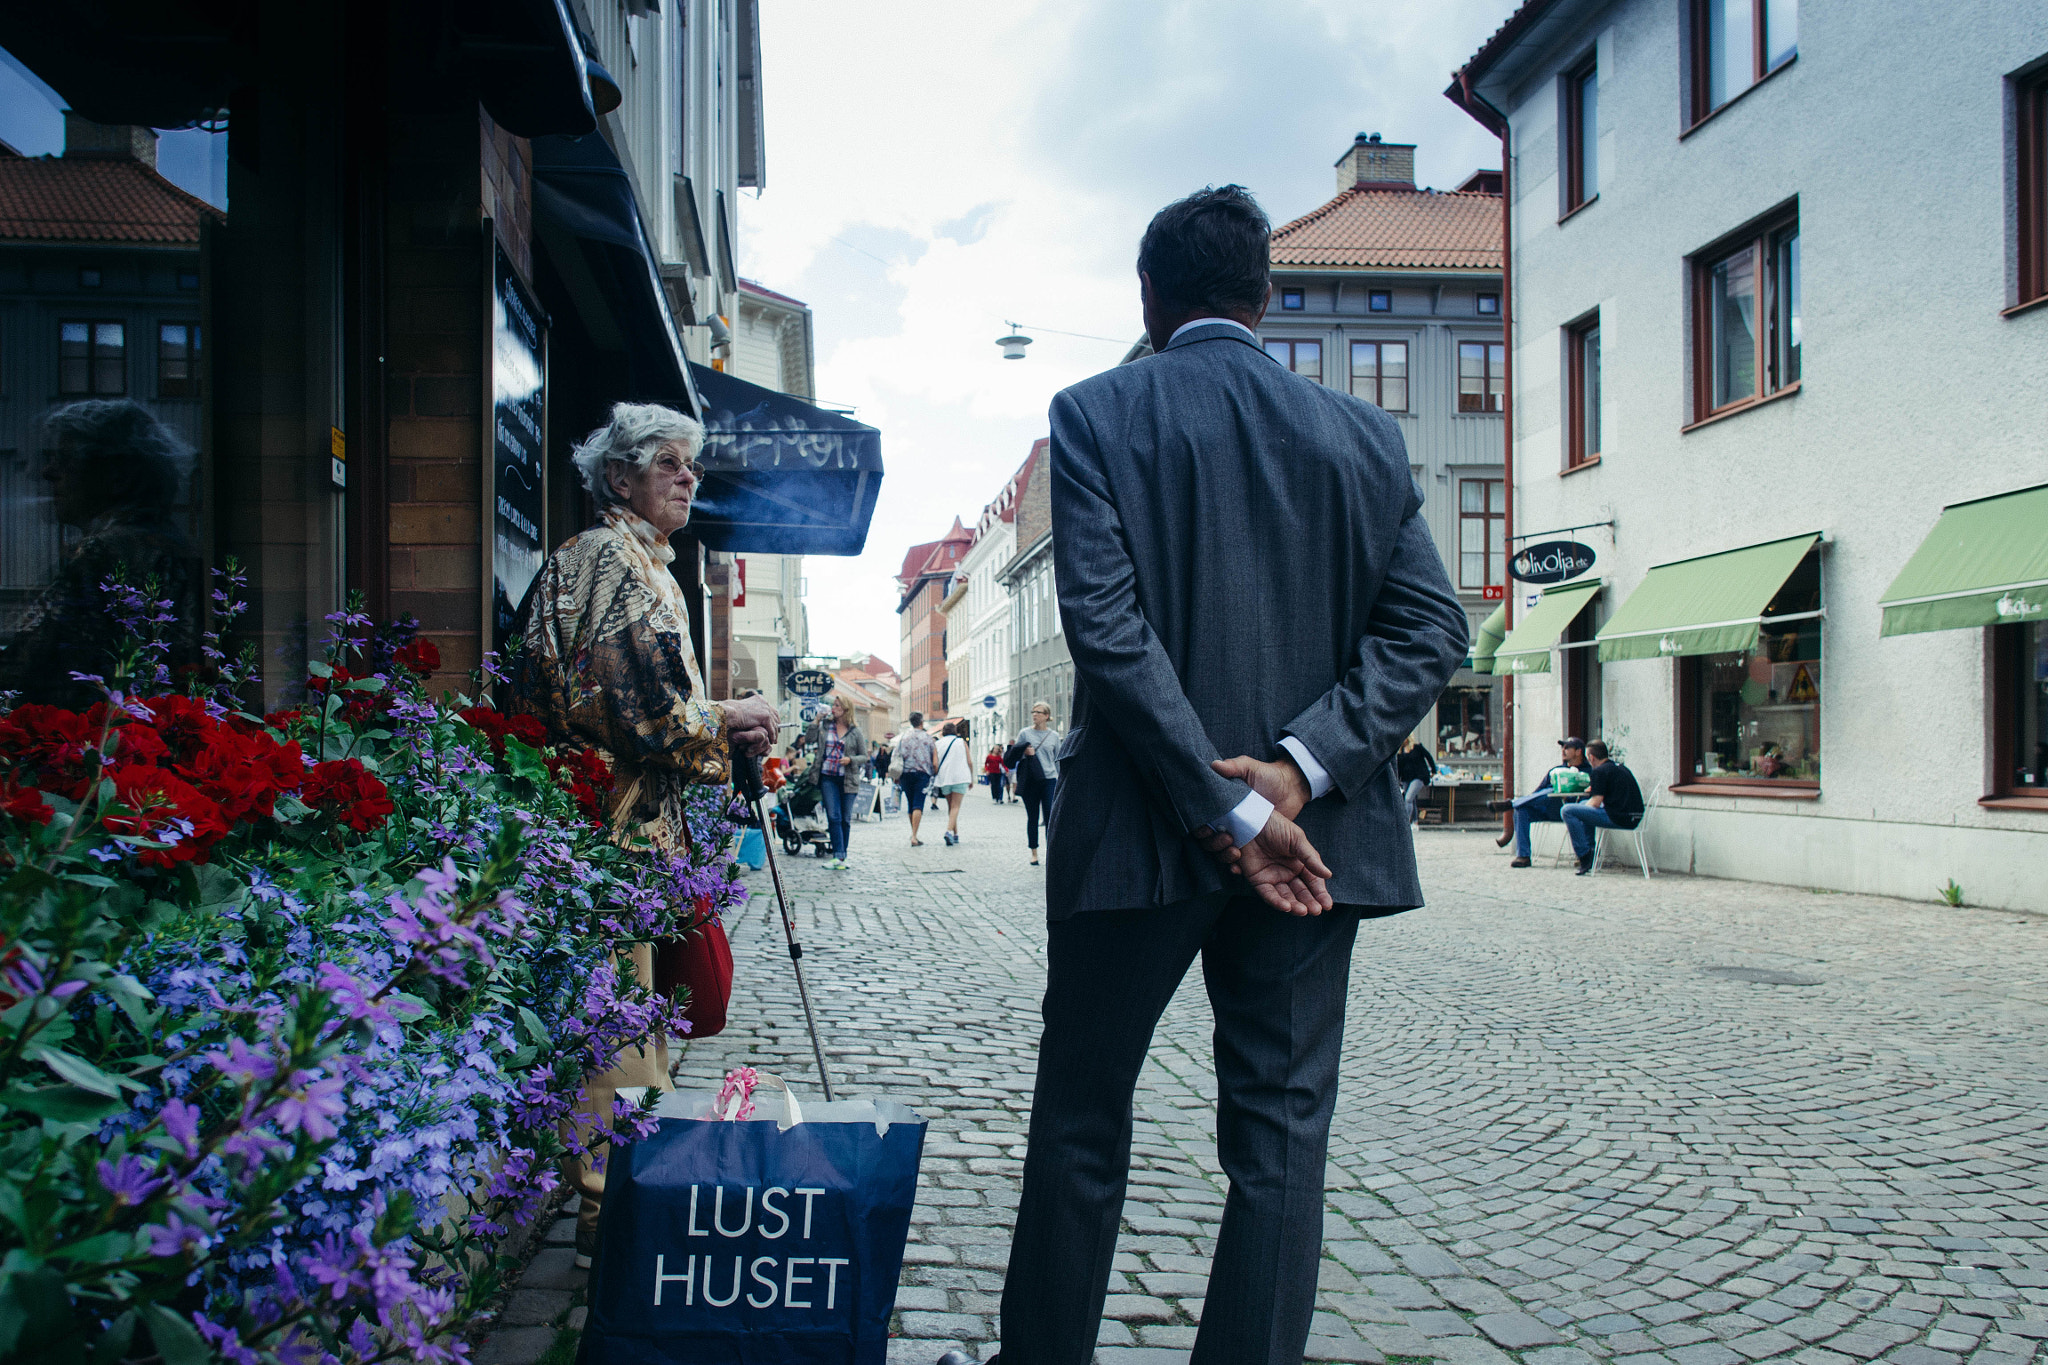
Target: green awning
x,y
1985,563
1709,605
1488,639
1528,649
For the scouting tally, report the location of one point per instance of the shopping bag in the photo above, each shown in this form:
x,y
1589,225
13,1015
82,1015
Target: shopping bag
x,y
772,1240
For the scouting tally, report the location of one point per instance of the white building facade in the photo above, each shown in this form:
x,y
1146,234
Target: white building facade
x,y
979,626
1736,228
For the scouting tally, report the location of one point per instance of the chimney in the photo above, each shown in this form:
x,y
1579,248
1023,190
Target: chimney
x,y
1376,165
84,139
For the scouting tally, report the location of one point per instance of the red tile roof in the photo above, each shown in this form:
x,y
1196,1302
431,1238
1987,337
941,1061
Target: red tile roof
x,y
1396,229
749,287
95,199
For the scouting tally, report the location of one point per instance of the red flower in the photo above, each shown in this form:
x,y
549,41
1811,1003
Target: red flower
x,y
496,727
23,803
185,725
160,799
281,720
528,730
344,790
52,743
421,656
244,773
320,686
588,779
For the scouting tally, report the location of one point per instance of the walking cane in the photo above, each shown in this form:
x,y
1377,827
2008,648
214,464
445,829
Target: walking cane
x,y
747,775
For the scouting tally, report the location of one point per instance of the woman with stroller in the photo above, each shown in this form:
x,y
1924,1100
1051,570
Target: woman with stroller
x,y
840,747
955,775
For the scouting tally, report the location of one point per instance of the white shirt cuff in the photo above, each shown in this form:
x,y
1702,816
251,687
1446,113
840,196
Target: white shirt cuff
x,y
1318,776
1244,823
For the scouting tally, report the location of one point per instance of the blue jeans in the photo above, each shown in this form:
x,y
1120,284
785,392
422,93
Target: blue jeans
x,y
1534,811
835,799
913,785
1580,820
1418,792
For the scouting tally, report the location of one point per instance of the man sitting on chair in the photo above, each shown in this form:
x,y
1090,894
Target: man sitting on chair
x,y
1616,803
1563,783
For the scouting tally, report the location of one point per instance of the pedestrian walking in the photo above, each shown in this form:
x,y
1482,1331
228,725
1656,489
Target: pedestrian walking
x,y
912,768
953,775
842,749
992,769
608,665
1243,562
1035,756
1413,767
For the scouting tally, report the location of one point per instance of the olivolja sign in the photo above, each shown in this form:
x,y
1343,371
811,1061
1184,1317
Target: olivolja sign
x,y
1553,561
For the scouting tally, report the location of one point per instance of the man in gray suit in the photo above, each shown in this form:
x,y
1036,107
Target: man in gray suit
x,y
1257,617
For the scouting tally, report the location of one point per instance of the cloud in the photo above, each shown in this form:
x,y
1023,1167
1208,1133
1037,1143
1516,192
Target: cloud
x,y
938,169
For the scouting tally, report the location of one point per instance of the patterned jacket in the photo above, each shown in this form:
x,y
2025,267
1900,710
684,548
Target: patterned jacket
x,y
606,663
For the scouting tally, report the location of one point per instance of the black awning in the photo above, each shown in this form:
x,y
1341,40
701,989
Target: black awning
x,y
585,212
527,63
782,476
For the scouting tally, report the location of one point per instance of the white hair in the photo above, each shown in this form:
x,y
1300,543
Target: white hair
x,y
636,431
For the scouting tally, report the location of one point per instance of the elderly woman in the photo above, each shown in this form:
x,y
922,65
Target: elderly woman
x,y
606,663
114,473
841,748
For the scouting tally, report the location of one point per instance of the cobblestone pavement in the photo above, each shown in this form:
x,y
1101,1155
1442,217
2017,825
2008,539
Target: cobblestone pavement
x,y
1581,1118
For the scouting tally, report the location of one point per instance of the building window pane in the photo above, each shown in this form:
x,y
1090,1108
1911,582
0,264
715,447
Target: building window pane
x,y
1482,532
2030,158
1785,308
1471,376
2026,682
1496,378
1379,301
177,360
1731,57
1758,714
1489,305
1781,32
1290,299
1365,370
1582,357
1589,135
1731,327
109,358
1305,358
1464,722
74,358
1394,376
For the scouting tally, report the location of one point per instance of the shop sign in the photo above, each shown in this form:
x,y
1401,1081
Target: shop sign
x,y
519,368
1554,561
810,682
1494,592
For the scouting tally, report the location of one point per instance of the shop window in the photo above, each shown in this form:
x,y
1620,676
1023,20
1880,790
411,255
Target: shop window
x,y
1291,300
1379,301
1464,723
1735,44
1753,718
1482,533
92,359
1581,147
2030,162
1482,376
1489,305
2019,739
1379,373
1746,319
1582,391
177,366
1303,357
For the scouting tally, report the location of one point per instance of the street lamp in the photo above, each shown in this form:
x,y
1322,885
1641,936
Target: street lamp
x,y
1013,345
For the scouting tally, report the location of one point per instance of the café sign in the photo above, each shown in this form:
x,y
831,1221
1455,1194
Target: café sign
x,y
810,682
1553,561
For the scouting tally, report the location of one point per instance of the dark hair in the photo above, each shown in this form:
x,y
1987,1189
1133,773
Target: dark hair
x,y
1210,250
917,718
1597,750
132,458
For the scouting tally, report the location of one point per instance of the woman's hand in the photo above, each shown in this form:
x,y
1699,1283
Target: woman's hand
x,y
751,724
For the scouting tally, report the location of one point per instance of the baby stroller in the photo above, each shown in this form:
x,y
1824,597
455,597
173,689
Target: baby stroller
x,y
799,818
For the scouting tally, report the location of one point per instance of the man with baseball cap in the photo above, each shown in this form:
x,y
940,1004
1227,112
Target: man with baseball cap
x,y
1567,781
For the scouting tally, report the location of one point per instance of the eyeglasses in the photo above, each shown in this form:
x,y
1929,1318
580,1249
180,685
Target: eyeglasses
x,y
672,465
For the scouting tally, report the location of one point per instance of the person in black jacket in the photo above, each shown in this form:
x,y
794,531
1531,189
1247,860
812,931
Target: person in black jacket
x,y
1413,767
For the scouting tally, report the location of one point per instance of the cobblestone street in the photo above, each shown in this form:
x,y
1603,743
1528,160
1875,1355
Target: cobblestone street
x,y
1684,1121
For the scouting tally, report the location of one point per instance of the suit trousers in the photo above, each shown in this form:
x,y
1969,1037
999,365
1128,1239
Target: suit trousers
x,y
1276,986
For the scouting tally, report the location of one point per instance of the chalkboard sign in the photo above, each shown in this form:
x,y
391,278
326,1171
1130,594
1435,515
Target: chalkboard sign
x,y
519,407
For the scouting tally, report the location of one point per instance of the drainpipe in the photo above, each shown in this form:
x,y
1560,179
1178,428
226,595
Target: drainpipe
x,y
1474,104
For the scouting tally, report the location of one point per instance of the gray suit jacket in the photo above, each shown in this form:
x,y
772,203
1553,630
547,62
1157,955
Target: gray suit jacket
x,y
1240,556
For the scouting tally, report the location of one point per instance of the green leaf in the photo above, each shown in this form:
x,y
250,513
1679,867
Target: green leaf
x,y
134,999
108,1246
112,1347
177,1341
407,1007
79,1072
11,1207
525,761
62,1103
536,1031
34,1309
319,670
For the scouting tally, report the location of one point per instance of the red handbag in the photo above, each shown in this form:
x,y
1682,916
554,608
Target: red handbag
x,y
702,965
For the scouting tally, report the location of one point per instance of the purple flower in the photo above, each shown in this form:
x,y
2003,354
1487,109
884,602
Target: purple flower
x,y
129,1180
313,1110
181,1121
242,1063
175,1235
225,1340
354,999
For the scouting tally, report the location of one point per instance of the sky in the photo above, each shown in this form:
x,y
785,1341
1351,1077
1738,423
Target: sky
x,y
938,169
32,123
